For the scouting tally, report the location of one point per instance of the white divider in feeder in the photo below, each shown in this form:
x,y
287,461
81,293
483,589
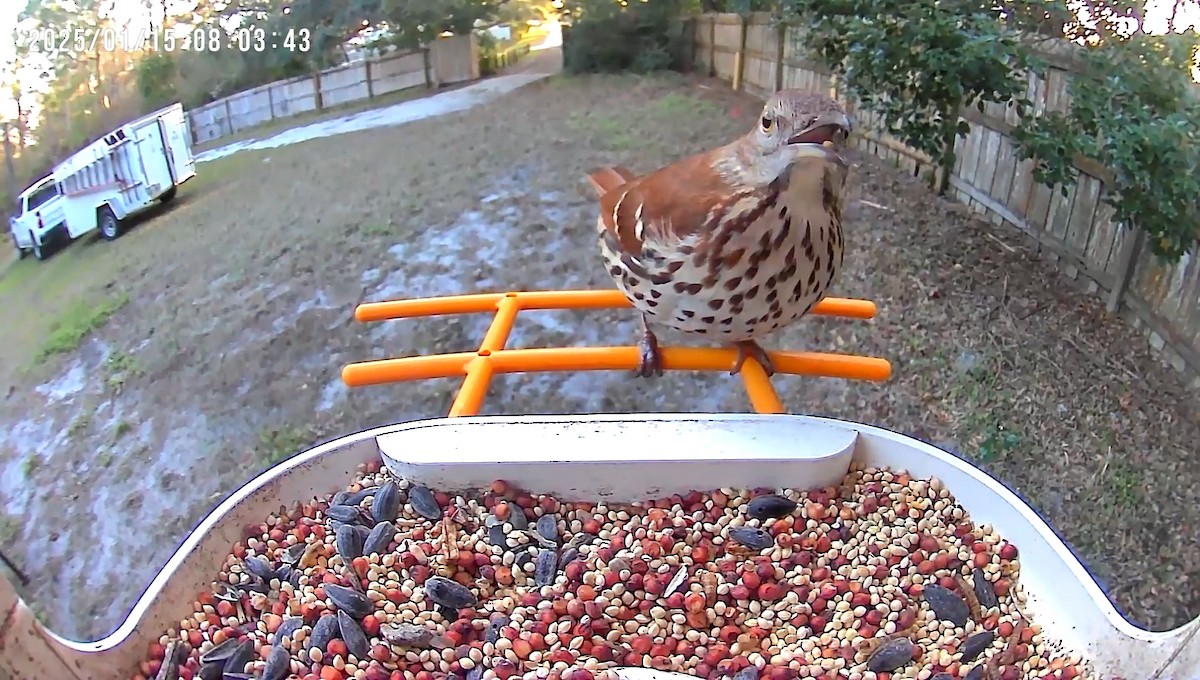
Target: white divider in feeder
x,y
635,458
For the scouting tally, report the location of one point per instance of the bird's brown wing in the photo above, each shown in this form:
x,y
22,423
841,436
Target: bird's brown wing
x,y
665,206
604,180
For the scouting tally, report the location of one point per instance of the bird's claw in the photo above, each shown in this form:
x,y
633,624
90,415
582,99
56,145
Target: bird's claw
x,y
650,364
751,349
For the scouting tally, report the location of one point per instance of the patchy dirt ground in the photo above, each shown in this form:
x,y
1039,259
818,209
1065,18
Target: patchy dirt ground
x,y
238,319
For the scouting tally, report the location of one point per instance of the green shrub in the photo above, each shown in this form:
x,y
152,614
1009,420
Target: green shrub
x,y
1132,109
916,62
607,37
489,52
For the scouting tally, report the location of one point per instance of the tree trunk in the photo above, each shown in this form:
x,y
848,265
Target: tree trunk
x,y
946,162
8,167
99,74
22,126
1171,25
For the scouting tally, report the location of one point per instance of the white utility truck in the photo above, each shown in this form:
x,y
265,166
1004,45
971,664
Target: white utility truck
x,y
41,219
119,175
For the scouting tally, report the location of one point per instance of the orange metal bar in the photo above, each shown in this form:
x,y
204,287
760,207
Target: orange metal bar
x,y
555,299
474,387
763,398
492,357
608,359
502,324
479,370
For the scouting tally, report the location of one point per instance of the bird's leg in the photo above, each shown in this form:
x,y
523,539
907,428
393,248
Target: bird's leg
x,y
651,361
749,348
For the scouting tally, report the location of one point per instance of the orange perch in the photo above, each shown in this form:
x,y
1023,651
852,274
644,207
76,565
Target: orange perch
x,y
555,299
492,358
476,366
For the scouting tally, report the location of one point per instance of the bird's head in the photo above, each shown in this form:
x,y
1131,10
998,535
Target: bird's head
x,y
798,126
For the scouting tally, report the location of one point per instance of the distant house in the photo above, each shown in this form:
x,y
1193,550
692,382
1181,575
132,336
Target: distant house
x,y
370,42
501,32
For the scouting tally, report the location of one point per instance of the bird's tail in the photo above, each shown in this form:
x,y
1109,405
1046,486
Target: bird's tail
x,y
604,180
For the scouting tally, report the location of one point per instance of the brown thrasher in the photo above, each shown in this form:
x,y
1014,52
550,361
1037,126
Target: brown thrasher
x,y
736,242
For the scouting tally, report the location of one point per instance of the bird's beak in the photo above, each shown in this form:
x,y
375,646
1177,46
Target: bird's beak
x,y
825,138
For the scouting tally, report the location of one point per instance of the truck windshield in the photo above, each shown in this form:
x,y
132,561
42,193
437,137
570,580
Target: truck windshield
x,y
41,196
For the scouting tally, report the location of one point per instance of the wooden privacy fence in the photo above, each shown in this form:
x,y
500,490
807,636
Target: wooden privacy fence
x,y
490,63
1077,230
444,61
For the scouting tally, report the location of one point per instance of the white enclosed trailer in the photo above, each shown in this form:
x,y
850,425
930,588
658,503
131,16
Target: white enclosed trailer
x,y
125,172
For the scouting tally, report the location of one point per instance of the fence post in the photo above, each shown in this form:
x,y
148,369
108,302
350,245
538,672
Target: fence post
x,y
687,49
191,126
426,65
317,98
271,100
1128,262
712,45
370,86
779,52
229,116
739,59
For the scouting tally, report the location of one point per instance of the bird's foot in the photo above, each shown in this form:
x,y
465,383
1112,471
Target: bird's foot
x,y
650,364
749,348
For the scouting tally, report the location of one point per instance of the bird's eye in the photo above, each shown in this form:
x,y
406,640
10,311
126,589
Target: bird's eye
x,y
767,122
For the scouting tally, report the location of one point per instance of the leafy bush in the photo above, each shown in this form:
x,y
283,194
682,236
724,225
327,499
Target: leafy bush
x,y
156,76
966,54
489,52
915,63
1132,109
606,36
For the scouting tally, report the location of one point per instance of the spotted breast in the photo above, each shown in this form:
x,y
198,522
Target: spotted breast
x,y
737,242
765,264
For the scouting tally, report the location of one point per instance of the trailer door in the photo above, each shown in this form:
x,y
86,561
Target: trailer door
x,y
152,160
183,166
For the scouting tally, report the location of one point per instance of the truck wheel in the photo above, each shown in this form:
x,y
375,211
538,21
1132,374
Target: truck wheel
x,y
168,195
38,251
110,226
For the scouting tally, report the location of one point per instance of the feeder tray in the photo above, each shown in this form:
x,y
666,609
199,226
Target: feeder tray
x,y
607,458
